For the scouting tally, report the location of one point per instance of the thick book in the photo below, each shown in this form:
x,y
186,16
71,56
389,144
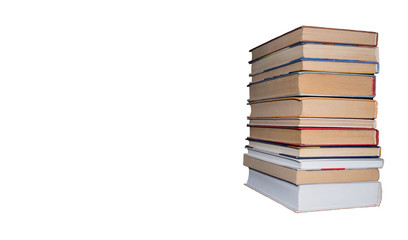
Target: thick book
x,y
316,163
316,197
314,122
298,152
313,84
315,136
316,34
314,51
319,65
315,107
299,177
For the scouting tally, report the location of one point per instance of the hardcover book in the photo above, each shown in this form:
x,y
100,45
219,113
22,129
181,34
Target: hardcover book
x,y
316,197
315,84
315,136
318,65
314,122
299,152
314,51
299,177
316,34
316,163
314,107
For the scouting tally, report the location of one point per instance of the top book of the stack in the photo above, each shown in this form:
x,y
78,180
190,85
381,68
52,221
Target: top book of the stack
x,y
316,34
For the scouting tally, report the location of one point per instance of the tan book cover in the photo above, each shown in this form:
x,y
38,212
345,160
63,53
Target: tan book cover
x,y
316,107
311,176
307,136
316,34
314,122
314,84
318,66
310,51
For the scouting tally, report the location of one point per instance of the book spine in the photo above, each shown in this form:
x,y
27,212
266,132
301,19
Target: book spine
x,y
377,137
376,109
373,86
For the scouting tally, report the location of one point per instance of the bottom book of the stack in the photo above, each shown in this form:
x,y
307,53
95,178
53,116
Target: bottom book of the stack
x,y
315,197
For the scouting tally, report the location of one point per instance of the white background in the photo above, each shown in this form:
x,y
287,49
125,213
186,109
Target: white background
x,y
127,119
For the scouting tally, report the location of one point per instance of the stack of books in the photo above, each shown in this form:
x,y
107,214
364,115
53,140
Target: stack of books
x,y
313,141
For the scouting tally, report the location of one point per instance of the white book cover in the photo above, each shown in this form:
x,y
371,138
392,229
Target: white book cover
x,y
316,197
317,163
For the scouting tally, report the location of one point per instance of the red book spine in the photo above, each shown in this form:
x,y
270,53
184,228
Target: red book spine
x,y
377,136
373,87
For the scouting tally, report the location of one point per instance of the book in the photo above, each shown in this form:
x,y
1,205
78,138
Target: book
x,y
298,152
314,51
315,107
315,136
299,177
316,163
300,84
314,122
315,34
318,65
316,197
